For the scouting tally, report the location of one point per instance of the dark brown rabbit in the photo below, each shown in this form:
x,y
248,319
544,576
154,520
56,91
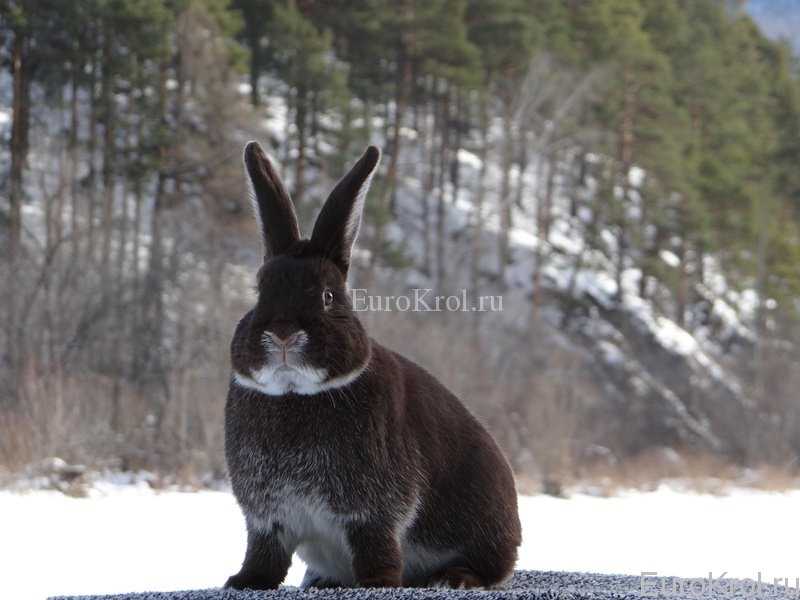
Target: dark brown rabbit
x,y
340,449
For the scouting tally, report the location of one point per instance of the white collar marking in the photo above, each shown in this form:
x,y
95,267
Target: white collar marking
x,y
305,382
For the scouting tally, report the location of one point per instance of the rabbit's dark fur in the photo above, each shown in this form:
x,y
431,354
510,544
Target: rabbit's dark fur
x,y
339,448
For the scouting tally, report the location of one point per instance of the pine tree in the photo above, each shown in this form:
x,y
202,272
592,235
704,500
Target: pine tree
x,y
506,32
300,55
255,15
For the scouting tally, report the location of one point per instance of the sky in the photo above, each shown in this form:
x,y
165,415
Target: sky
x,y
779,19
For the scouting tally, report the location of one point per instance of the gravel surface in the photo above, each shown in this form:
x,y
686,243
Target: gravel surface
x,y
528,585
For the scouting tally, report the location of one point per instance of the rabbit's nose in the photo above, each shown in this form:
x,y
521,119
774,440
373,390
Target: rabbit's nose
x,y
284,333
286,342
282,330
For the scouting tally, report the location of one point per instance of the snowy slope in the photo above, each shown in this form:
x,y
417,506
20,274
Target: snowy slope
x,y
672,383
670,386
673,386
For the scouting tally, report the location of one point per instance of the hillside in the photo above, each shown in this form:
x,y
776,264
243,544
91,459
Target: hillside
x,y
623,173
651,382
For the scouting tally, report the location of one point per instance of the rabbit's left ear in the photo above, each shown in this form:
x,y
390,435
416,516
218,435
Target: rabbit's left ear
x,y
338,223
274,208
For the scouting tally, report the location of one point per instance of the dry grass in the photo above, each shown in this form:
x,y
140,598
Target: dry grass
x,y
534,394
701,473
184,443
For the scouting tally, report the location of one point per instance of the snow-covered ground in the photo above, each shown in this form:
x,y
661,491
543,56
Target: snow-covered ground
x,y
129,538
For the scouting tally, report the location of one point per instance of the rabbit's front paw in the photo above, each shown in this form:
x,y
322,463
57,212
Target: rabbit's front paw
x,y
377,561
250,581
382,580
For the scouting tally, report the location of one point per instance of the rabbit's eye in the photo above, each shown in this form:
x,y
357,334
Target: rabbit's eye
x,y
327,297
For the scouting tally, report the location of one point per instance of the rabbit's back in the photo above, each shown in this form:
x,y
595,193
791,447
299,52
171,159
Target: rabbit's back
x,y
471,496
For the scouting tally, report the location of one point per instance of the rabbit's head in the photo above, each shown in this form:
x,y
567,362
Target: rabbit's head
x,y
302,336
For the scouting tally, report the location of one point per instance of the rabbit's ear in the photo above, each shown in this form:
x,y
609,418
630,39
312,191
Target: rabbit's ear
x,y
338,223
273,207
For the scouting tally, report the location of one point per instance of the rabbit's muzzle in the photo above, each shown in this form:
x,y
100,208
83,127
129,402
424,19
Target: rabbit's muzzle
x,y
285,368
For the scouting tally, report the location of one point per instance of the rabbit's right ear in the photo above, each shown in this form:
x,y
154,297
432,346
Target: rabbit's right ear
x,y
273,207
339,220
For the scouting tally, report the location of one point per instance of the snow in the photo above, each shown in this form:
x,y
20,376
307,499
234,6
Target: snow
x,y
277,120
729,319
470,159
670,258
128,538
611,354
748,303
636,176
566,238
408,133
668,333
523,239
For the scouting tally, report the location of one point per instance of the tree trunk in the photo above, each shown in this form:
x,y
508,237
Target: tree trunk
x,y
400,106
625,157
19,150
57,222
91,176
441,209
458,134
149,367
300,164
345,138
476,235
136,188
19,141
72,150
646,248
583,172
476,243
504,204
682,293
387,200
543,211
523,157
177,115
120,316
255,65
428,187
109,149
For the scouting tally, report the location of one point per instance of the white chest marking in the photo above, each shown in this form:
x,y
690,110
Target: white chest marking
x,y
317,534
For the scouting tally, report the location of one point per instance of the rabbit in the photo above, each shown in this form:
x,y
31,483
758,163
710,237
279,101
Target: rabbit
x,y
340,449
